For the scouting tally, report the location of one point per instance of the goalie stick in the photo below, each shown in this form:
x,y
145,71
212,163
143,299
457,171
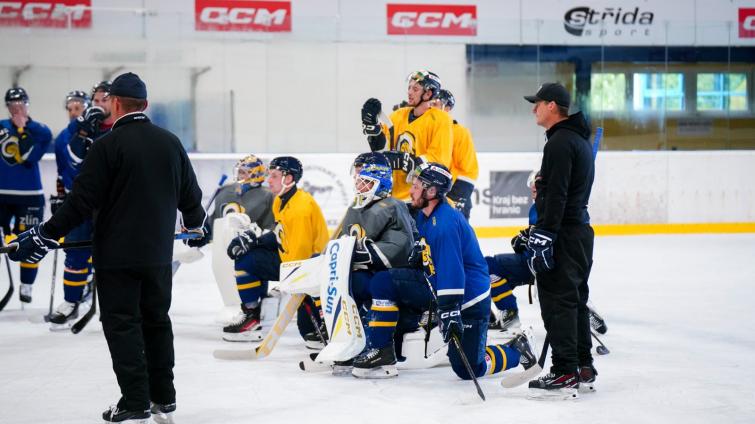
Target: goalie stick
x,y
275,333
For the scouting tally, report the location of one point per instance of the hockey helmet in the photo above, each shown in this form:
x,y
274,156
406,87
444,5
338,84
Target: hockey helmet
x,y
372,178
78,96
428,80
250,170
16,94
447,99
436,175
288,165
103,86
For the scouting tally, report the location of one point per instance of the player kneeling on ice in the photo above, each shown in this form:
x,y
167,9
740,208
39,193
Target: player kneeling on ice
x,y
299,233
456,274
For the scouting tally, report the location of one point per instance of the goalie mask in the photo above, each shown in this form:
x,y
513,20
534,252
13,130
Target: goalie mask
x,y
372,179
250,172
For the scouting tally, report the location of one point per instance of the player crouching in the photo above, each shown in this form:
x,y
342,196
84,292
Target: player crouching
x,y
455,277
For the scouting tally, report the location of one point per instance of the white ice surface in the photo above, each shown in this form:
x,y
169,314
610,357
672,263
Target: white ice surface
x,y
680,329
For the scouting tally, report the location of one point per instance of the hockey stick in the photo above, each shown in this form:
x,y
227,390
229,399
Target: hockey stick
x,y
517,379
84,320
52,285
88,243
601,349
9,293
312,318
457,344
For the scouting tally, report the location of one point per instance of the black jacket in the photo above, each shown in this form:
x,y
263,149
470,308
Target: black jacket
x,y
131,183
567,173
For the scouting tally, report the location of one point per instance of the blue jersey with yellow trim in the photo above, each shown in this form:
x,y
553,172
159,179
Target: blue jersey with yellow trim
x,y
453,259
20,181
66,171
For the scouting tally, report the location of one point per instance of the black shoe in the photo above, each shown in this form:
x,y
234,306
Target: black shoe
x,y
521,344
376,363
597,322
162,413
552,381
116,415
587,376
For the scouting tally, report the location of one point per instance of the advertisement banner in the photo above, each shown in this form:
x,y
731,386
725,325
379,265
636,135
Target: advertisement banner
x,y
242,15
509,195
746,23
46,14
431,19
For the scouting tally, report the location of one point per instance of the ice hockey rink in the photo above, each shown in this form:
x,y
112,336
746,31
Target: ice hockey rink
x,y
679,315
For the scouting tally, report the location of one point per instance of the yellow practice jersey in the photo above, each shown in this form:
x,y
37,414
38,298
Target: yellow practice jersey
x,y
464,162
300,227
429,137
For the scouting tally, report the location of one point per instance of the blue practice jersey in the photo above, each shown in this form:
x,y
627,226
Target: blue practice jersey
x,y
20,181
68,163
533,214
455,265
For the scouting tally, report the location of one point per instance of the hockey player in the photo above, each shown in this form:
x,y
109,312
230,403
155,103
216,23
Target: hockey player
x,y
299,233
420,133
23,141
464,166
71,148
247,195
453,264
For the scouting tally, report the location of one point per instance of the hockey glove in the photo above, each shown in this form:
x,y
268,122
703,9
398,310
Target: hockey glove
x,y
362,256
32,246
450,322
370,111
415,257
56,202
401,161
242,244
540,245
205,233
519,242
89,122
460,193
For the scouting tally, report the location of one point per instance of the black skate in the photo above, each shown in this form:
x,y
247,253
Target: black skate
x,y
24,293
587,376
116,415
245,326
376,363
521,343
509,321
64,316
312,339
162,414
553,386
597,322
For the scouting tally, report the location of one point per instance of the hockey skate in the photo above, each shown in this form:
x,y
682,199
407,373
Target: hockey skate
x,y
312,339
376,363
523,344
555,387
64,316
24,292
162,414
507,325
245,326
587,376
116,415
597,322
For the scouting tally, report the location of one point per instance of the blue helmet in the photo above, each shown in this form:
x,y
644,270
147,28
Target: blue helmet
x,y
288,165
78,96
428,80
436,175
447,98
372,178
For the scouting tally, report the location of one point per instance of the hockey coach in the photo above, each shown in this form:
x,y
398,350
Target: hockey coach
x,y
561,241
132,181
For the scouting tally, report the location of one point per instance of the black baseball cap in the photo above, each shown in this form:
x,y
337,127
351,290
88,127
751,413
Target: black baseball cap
x,y
551,92
128,85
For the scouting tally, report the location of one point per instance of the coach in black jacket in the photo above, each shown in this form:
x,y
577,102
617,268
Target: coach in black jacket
x,y
561,242
131,183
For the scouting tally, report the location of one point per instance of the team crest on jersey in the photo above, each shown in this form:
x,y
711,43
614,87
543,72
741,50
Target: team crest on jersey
x,y
280,237
357,231
405,142
12,151
232,207
427,259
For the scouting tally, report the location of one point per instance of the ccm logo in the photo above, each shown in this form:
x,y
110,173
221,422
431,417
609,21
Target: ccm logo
x,y
432,19
747,23
50,14
240,15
